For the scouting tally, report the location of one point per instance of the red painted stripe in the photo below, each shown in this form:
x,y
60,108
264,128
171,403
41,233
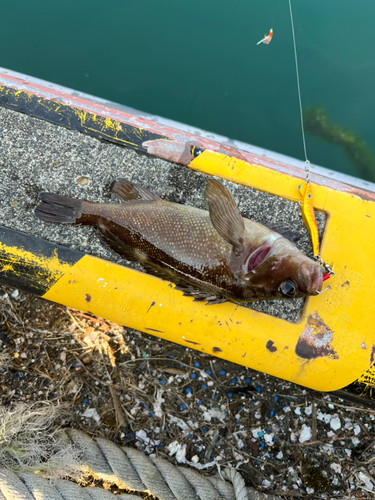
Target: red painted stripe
x,y
172,133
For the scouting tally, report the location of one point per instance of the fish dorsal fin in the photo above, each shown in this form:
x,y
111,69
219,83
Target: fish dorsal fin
x,y
224,214
127,191
285,231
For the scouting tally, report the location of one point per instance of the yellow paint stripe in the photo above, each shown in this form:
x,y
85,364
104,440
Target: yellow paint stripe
x,y
49,268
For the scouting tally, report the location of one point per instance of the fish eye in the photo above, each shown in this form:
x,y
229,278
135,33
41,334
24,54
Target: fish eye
x,y
288,289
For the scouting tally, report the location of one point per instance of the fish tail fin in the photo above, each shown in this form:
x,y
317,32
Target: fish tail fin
x,y
59,209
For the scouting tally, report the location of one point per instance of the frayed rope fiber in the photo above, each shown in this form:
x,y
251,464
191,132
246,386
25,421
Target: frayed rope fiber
x,y
130,469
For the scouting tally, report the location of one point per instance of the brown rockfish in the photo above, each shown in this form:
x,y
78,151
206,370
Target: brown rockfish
x,y
213,255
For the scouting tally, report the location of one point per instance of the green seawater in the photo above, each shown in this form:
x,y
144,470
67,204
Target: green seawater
x,y
197,62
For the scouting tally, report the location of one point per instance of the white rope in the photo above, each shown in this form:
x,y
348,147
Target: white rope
x,y
130,468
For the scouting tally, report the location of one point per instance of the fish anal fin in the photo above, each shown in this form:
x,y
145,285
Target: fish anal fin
x,y
224,214
129,192
111,241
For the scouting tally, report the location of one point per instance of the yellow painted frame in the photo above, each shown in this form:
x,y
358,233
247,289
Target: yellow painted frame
x,y
239,334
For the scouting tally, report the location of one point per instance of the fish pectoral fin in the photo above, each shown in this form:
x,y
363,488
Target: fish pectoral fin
x,y
285,231
187,289
199,295
224,214
129,192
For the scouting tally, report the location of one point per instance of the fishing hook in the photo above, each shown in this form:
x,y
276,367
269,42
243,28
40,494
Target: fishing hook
x,y
325,265
328,287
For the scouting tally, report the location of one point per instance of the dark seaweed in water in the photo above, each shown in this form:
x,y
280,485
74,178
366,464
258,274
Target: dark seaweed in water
x,y
355,148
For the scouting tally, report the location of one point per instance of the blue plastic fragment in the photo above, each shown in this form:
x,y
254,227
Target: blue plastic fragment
x,y
208,372
204,386
196,364
188,390
151,413
193,375
234,381
248,380
259,389
171,356
276,398
183,407
85,400
199,402
262,444
230,395
144,355
222,372
162,381
260,434
272,413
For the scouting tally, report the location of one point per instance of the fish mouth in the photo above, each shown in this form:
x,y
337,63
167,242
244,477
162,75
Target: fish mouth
x,y
310,279
317,280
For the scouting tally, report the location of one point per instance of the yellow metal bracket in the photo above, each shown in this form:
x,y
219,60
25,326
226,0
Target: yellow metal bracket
x,y
332,345
328,349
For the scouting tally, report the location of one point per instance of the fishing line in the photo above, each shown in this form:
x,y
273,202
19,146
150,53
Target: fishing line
x,y
307,163
307,204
